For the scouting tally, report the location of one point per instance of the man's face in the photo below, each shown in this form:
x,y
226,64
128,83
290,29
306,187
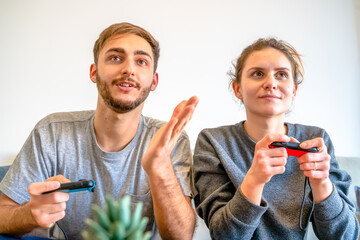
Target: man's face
x,y
124,73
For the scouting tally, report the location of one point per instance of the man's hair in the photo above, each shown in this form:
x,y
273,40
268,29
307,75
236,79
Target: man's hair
x,y
126,28
262,43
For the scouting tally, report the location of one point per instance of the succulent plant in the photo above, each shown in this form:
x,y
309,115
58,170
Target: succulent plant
x,y
116,222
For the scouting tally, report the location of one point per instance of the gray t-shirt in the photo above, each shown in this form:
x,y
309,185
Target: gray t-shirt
x,y
222,158
65,143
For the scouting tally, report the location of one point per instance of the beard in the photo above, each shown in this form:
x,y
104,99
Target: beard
x,y
120,106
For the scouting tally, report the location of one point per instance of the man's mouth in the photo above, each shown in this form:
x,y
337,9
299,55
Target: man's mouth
x,y
126,85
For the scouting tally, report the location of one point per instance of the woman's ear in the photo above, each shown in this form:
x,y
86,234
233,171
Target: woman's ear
x,y
294,92
93,73
237,90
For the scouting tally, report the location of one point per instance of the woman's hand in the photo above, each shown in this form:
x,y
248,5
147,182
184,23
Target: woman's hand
x,y
266,163
316,166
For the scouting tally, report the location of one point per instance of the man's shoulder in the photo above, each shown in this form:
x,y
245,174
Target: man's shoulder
x,y
152,124
66,117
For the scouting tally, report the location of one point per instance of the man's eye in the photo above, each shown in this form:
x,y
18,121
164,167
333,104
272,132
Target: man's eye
x,y
142,62
115,58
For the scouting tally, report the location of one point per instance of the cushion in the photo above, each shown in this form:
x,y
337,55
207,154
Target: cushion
x,y
357,194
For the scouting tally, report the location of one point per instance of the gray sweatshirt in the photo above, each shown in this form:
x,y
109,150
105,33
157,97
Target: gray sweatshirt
x,y
221,160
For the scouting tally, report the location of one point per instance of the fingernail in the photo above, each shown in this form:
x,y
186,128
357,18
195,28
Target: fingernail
x,y
55,184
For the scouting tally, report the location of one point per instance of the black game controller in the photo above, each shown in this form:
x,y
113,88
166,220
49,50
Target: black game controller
x,y
81,185
293,149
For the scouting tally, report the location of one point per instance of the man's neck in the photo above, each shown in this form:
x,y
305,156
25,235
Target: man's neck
x,y
114,131
257,128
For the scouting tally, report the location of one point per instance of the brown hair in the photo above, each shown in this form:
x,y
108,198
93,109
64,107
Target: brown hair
x,y
262,43
126,28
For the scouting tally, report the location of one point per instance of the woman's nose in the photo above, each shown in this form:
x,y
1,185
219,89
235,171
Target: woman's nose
x,y
270,82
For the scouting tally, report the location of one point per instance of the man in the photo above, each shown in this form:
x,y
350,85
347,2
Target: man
x,y
123,151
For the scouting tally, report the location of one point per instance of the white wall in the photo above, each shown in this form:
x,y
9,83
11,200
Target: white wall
x,y
46,51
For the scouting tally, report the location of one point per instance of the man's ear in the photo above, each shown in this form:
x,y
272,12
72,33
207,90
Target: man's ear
x,y
294,92
155,81
237,90
93,72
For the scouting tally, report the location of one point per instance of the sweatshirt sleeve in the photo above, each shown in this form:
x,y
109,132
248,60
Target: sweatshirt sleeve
x,y
225,210
334,218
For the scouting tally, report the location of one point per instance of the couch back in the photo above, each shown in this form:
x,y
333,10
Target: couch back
x,y
352,166
3,170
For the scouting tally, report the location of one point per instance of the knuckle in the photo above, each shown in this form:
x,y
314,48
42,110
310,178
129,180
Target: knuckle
x,y
261,154
266,172
42,221
62,214
262,164
36,213
270,137
31,189
62,206
56,197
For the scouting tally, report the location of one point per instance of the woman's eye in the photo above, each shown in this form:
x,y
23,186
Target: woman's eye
x,y
282,75
257,74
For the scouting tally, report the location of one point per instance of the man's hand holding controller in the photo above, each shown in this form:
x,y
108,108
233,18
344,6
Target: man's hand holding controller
x,y
46,209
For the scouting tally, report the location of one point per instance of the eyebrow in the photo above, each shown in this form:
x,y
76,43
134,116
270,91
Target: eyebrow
x,y
276,69
137,52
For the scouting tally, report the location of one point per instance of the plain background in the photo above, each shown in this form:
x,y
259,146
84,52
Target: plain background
x,y
46,52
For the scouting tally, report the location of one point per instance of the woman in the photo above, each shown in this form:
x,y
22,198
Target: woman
x,y
243,188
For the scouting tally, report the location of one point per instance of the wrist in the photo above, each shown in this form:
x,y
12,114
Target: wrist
x,y
252,190
31,219
322,189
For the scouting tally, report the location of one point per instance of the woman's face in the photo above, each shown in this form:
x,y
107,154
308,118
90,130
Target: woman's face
x,y
267,86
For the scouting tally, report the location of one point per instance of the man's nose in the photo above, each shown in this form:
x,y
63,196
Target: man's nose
x,y
128,68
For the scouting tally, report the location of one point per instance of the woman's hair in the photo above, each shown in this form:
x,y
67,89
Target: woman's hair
x,y
126,28
262,43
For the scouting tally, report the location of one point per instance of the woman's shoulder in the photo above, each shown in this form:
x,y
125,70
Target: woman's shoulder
x,y
223,130
303,132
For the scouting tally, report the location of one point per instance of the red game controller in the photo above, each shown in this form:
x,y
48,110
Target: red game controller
x,y
293,149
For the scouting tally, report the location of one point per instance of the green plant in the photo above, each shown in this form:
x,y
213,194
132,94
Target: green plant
x,y
116,222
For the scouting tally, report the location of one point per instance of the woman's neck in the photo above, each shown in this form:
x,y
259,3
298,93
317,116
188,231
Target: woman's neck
x,y
257,128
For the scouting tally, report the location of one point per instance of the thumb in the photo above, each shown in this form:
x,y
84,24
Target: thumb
x,y
39,188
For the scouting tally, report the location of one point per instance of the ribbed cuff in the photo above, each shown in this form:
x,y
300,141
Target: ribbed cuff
x,y
330,208
246,211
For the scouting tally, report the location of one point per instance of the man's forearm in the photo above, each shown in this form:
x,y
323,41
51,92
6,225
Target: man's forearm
x,y
174,214
16,220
